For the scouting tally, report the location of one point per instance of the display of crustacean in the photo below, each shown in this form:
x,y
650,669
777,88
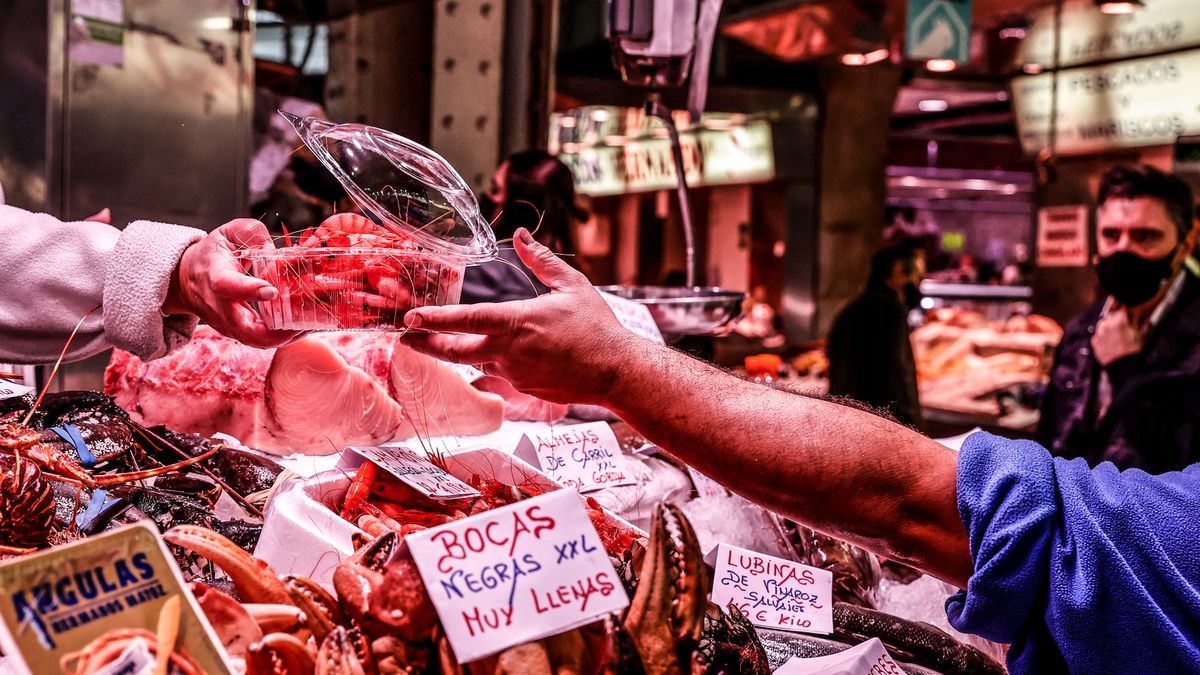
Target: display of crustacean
x,y
381,620
74,463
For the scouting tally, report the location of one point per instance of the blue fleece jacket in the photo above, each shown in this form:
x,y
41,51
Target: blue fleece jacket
x,y
1081,570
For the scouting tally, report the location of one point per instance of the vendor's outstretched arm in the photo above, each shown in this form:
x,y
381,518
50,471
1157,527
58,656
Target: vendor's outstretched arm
x,y
840,470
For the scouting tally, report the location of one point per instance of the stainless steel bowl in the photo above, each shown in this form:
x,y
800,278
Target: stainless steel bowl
x,y
684,311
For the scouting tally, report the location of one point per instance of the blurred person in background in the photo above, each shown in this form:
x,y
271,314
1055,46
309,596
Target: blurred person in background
x,y
870,354
1125,385
528,186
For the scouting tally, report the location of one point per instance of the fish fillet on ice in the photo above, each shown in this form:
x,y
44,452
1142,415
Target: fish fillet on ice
x,y
437,400
317,403
314,396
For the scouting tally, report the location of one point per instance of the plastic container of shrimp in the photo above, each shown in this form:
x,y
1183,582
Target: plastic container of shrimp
x,y
417,230
350,288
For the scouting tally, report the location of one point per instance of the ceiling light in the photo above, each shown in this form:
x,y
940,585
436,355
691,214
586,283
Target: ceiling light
x,y
940,65
865,59
217,23
1120,6
932,105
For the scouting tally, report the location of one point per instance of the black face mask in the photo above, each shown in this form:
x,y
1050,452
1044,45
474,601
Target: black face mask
x,y
1132,279
912,295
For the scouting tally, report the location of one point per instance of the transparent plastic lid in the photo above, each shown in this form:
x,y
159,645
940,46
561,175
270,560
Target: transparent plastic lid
x,y
405,187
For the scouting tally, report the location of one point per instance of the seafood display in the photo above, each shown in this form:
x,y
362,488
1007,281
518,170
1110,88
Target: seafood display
x,y
380,618
78,464
965,364
350,274
314,396
856,573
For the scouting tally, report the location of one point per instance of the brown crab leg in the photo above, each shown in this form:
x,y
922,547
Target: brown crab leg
x,y
15,550
321,611
276,618
668,607
279,653
338,656
255,581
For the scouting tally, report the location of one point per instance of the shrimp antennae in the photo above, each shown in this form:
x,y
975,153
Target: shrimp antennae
x,y
54,371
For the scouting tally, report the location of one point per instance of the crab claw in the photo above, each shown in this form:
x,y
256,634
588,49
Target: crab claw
x,y
254,579
235,628
342,653
279,653
356,577
666,614
321,611
381,589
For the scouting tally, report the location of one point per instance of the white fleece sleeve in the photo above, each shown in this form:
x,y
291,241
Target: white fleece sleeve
x,y
53,273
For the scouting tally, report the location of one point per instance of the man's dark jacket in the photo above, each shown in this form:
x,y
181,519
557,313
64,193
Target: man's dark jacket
x,y
1153,421
870,355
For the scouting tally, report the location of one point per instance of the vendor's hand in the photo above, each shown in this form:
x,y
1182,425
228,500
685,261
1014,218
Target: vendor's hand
x,y
1116,337
213,285
565,346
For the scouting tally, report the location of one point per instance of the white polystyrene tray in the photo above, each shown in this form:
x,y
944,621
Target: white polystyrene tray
x,y
505,438
302,536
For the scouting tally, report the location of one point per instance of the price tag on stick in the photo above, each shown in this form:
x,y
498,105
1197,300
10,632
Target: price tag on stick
x,y
773,592
418,472
516,574
584,457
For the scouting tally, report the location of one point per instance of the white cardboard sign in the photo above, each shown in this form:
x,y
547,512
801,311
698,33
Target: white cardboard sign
x,y
9,389
634,316
1062,239
584,457
515,574
773,592
416,471
868,658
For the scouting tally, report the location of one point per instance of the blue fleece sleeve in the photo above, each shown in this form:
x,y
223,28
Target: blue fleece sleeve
x,y
1090,570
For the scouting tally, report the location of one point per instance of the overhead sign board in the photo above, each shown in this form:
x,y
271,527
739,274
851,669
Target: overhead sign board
x,y
1090,36
1148,101
740,154
938,29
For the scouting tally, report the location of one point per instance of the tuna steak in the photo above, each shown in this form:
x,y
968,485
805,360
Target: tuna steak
x,y
314,396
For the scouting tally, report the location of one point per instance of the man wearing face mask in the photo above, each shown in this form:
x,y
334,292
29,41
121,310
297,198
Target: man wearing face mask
x,y
870,355
1125,386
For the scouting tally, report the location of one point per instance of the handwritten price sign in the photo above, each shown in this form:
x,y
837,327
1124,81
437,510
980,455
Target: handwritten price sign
x,y
583,457
417,471
773,592
515,574
634,316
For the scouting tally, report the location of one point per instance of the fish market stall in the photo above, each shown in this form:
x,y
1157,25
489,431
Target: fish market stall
x,y
347,504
